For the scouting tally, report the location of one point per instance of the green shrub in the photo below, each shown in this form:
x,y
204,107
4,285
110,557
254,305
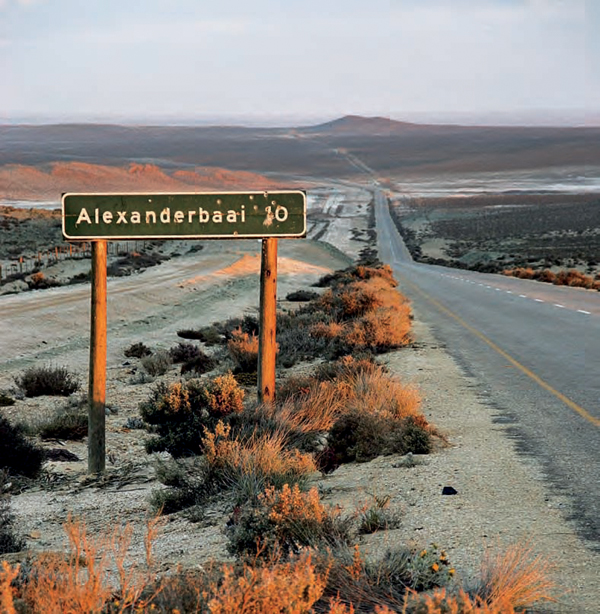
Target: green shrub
x,y
361,436
56,381
9,540
387,580
38,281
302,296
377,516
6,400
157,364
70,422
184,352
202,363
179,412
187,485
243,349
17,454
137,350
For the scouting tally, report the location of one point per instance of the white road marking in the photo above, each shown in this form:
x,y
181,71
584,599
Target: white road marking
x,y
509,292
558,305
538,300
583,311
522,296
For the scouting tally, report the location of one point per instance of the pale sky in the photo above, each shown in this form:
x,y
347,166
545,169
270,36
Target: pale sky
x,y
186,59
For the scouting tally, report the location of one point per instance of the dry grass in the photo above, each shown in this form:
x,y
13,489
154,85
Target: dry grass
x,y
515,577
316,409
251,464
292,588
285,521
93,572
243,349
379,393
94,576
570,277
365,315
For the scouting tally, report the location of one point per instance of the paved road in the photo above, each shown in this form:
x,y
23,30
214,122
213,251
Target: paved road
x,y
534,351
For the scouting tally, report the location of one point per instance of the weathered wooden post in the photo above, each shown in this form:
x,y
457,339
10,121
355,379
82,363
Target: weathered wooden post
x,y
97,375
267,344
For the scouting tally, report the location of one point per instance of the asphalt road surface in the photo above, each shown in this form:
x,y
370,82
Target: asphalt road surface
x,y
534,351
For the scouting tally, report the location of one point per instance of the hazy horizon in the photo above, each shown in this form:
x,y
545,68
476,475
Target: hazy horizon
x,y
494,62
530,118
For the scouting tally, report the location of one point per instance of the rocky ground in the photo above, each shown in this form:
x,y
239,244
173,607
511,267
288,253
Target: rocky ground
x,y
500,498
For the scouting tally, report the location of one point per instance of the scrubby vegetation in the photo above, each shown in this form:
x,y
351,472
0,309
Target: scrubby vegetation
x,y
18,455
10,541
491,233
47,380
157,364
339,581
571,277
137,350
68,422
293,552
177,413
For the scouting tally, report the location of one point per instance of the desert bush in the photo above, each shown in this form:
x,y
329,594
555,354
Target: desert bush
x,y
83,579
223,396
377,515
200,364
249,465
380,331
134,262
38,381
356,272
137,350
515,578
157,364
384,585
359,436
348,367
290,587
179,412
68,422
302,296
547,276
284,521
188,484
10,541
38,281
243,349
6,400
209,335
18,455
184,352
295,341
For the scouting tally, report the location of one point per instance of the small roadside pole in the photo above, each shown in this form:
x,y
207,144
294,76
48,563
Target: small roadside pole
x,y
98,218
97,375
267,344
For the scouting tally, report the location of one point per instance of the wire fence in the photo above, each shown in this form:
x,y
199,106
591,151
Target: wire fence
x,y
66,251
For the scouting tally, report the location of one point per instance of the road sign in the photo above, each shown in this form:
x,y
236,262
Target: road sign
x,y
191,215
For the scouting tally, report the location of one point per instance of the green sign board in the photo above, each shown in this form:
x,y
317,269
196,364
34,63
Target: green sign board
x,y
206,215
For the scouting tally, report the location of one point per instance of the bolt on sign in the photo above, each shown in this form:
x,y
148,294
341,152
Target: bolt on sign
x,y
205,215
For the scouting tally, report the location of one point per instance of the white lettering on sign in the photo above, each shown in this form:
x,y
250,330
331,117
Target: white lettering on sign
x,y
166,216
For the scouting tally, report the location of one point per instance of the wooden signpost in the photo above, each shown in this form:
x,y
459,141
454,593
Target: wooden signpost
x,y
207,215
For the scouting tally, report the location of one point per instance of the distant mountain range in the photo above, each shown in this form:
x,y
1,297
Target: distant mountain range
x,y
333,149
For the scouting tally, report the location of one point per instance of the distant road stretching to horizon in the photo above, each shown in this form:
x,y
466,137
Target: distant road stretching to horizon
x,y
534,350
